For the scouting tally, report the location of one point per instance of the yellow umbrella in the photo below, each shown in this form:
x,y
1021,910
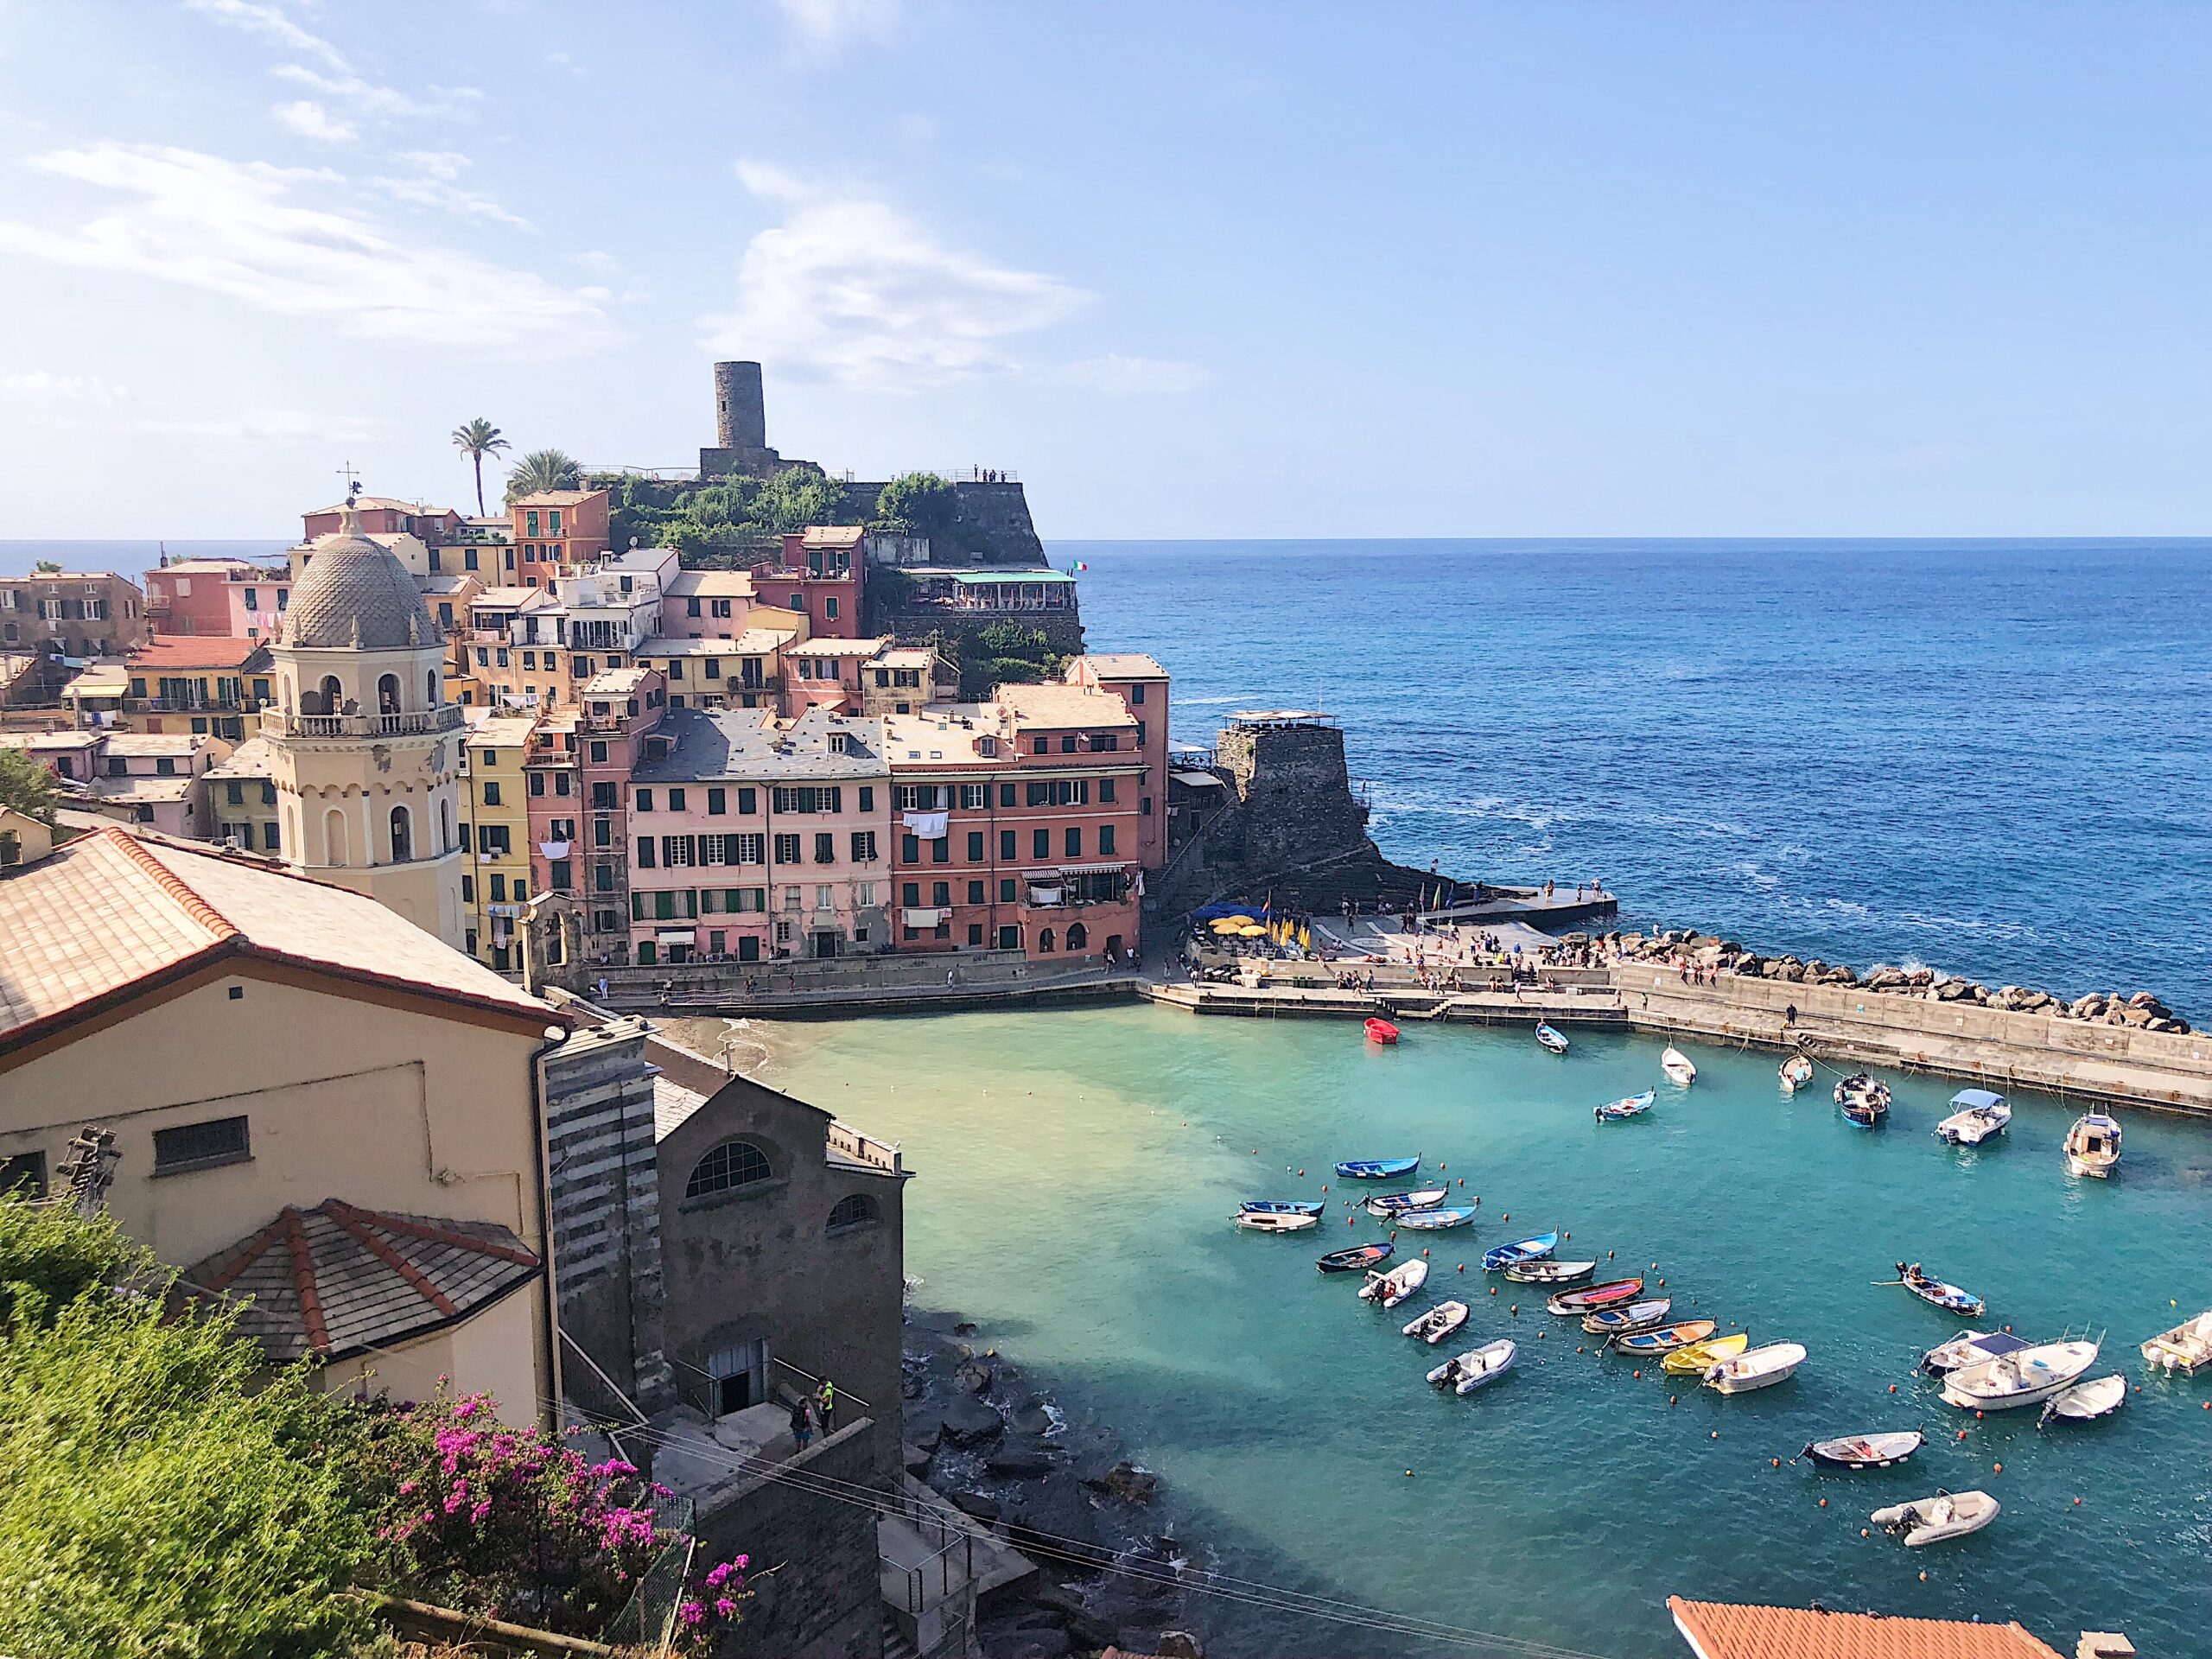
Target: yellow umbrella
x,y
1228,924
1253,931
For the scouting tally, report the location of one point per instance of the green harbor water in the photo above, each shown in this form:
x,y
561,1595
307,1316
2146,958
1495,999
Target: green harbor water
x,y
1075,1175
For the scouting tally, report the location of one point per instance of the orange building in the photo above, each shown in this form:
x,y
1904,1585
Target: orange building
x,y
556,530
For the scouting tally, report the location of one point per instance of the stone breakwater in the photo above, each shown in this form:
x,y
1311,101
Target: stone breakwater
x,y
1686,947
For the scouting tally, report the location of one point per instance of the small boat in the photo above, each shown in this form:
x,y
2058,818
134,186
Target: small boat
x,y
1611,1294
1676,1064
2086,1402
1795,1071
1465,1373
1387,1205
1756,1368
1865,1451
1626,1107
1432,1221
1377,1169
1281,1206
1628,1319
1389,1289
2093,1145
1259,1221
1666,1339
2184,1348
1381,1031
1981,1114
2026,1378
1550,1039
1699,1356
1865,1103
1439,1322
1936,1294
1970,1348
1359,1256
1526,1249
1549,1273
1931,1520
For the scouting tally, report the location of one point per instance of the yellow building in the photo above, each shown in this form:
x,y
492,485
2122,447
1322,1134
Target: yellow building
x,y
495,827
309,1101
242,799
741,673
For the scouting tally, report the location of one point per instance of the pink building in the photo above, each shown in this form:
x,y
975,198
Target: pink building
x,y
822,573
705,605
1141,684
753,840
381,515
156,779
828,672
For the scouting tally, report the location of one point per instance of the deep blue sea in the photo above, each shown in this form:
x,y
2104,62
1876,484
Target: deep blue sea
x,y
1990,757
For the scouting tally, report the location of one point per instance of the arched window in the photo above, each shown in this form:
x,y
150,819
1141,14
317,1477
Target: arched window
x,y
1045,943
331,698
445,828
403,835
1078,936
431,689
388,694
857,1210
733,1164
334,838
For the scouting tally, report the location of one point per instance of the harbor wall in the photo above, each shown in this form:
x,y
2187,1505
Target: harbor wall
x,y
1992,1047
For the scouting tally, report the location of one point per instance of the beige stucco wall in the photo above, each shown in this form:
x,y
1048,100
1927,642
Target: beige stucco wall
x,y
491,1352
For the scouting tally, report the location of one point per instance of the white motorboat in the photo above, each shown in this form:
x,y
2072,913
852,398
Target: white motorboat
x,y
1261,1221
2085,1401
1465,1373
1676,1064
1389,1289
1760,1368
1796,1072
2184,1348
1439,1322
1970,1348
2026,1378
1931,1520
1981,1114
2093,1145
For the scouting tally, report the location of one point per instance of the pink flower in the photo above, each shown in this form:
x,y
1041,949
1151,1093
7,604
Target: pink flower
x,y
725,1607
691,1612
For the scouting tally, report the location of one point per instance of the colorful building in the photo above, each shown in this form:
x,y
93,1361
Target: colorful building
x,y
199,683
242,799
1141,684
158,780
234,597
496,876
706,605
555,532
746,673
618,709
77,612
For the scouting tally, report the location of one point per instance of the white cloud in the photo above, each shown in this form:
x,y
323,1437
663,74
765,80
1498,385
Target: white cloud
x,y
311,120
828,24
240,229
46,386
434,185
365,98
270,22
1135,375
851,290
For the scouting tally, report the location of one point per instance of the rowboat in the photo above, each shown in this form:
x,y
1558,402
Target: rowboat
x,y
2093,1145
1757,1368
1625,1108
1434,1221
1611,1294
1550,1039
1359,1256
1628,1319
1281,1206
1439,1322
1381,1031
1865,1451
1550,1272
2026,1378
1931,1520
1936,1294
1389,1289
1865,1103
1261,1221
1377,1169
1970,1348
1387,1205
1465,1373
1526,1249
2184,1348
1796,1072
1667,1339
1695,1359
1981,1114
1676,1064
2086,1402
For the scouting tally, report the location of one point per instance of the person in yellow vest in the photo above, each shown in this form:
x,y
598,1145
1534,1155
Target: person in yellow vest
x,y
827,1400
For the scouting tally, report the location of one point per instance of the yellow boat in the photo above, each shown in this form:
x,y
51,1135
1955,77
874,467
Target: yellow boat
x,y
1688,1362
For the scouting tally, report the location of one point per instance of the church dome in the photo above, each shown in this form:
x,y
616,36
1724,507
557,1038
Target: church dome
x,y
355,594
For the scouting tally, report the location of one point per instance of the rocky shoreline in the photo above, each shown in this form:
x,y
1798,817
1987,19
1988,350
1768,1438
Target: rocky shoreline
x,y
1062,1492
1688,948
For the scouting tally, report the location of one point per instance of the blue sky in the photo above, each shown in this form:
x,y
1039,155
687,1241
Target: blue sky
x,y
1190,269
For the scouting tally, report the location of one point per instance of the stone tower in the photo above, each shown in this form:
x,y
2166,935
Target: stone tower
x,y
741,426
366,748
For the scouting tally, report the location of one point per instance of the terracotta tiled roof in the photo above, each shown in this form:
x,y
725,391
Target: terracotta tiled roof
x,y
1123,665
1721,1629
1062,707
336,1280
181,650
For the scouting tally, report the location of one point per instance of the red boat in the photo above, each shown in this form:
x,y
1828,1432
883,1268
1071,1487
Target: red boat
x,y
1605,1295
1382,1031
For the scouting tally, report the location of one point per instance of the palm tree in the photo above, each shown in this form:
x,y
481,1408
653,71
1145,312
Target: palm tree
x,y
476,440
543,469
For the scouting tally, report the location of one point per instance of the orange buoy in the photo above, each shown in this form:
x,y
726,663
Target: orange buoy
x,y
1924,1575
1639,1374
1463,1267
1493,1290
2000,1468
1301,1174
1824,1502
1893,1387
1609,1256
1662,1281
1716,1433
1777,1462
1863,1533
1672,1398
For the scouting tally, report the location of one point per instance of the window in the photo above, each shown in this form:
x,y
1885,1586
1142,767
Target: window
x,y
1009,937
752,849
1105,789
1045,943
974,846
868,797
561,874
863,846
808,799
787,849
200,1145
849,1213
644,852
729,1165
1105,841
468,889
863,895
165,767
690,607
235,793
1136,692
1041,841
826,848
717,803
748,801
491,788
1009,847
975,933
602,795
537,783
1067,744
1006,795
940,894
498,889
676,800
910,894
403,835
1059,792
974,893
829,609
599,757
645,800
941,849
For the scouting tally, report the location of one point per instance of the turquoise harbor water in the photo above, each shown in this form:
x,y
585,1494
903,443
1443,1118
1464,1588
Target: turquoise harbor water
x,y
1075,1175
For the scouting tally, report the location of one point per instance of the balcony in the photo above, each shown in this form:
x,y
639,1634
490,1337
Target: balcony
x,y
274,722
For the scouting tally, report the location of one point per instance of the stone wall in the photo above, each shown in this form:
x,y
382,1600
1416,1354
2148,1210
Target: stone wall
x,y
1295,793
990,524
913,624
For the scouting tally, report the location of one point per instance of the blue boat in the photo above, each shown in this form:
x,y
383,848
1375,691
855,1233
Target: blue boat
x,y
1377,1169
1383,1205
1527,1249
1628,1107
1430,1221
1281,1207
1359,1256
